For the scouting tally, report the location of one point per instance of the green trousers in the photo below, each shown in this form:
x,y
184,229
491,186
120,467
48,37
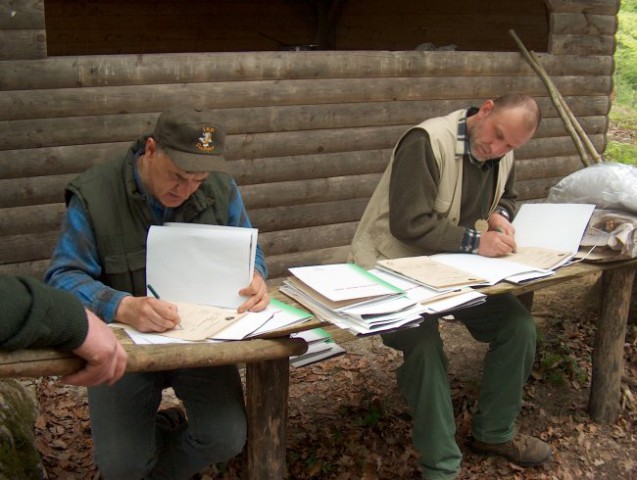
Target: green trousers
x,y
509,329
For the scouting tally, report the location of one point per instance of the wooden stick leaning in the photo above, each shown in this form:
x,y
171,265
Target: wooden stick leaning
x,y
579,137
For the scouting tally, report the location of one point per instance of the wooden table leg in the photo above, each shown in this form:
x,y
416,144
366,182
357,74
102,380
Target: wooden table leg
x,y
267,385
608,349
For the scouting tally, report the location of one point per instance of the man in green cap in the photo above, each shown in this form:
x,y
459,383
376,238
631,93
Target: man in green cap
x,y
174,174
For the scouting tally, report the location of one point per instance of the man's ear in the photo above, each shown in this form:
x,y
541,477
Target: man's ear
x,y
486,107
151,146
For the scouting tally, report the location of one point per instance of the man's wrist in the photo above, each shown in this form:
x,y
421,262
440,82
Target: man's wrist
x,y
470,241
503,211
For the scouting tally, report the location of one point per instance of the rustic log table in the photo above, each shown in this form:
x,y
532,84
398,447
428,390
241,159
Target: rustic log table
x,y
267,379
267,363
608,347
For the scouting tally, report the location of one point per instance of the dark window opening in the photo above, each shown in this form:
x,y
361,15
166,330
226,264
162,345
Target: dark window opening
x,y
104,27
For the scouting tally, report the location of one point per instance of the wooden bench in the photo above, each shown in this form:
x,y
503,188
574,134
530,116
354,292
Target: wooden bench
x,y
267,380
617,280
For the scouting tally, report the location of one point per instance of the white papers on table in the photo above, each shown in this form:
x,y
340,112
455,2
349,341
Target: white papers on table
x,y
201,264
276,316
493,270
320,346
342,281
434,301
352,298
427,271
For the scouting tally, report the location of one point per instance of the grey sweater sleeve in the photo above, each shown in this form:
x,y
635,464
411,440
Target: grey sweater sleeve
x,y
412,193
36,315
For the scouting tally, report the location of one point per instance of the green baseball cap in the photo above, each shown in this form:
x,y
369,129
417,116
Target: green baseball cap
x,y
192,140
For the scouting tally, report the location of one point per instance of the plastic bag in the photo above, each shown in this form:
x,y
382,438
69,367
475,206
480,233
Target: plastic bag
x,y
607,185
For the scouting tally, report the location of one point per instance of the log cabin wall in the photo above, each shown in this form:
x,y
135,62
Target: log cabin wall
x,y
309,132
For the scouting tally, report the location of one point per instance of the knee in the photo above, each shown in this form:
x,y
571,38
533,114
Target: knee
x,y
223,446
524,328
421,342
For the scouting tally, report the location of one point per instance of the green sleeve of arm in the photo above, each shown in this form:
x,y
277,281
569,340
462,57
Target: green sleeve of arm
x,y
36,315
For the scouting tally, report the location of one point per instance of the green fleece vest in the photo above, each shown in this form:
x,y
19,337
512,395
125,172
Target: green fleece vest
x,y
121,217
373,240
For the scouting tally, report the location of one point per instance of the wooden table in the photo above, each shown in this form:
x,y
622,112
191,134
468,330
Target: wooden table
x,y
608,347
267,380
267,364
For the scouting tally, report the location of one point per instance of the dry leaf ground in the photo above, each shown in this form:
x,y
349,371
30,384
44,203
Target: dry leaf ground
x,y
347,419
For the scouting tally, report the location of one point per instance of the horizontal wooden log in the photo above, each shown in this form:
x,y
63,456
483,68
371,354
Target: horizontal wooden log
x,y
16,104
278,264
31,219
304,239
26,191
555,147
582,24
47,132
27,247
112,70
33,190
56,160
276,144
568,44
22,15
547,167
599,7
34,269
22,44
152,358
307,215
535,189
310,191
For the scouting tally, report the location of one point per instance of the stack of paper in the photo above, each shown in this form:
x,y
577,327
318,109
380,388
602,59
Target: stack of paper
x,y
352,298
203,323
434,300
320,346
547,236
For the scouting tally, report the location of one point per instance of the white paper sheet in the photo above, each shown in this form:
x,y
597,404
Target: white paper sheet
x,y
557,226
342,281
202,264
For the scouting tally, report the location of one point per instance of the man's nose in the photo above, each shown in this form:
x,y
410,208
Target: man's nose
x,y
499,148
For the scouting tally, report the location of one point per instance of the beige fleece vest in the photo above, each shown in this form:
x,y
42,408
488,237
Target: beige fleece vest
x,y
373,240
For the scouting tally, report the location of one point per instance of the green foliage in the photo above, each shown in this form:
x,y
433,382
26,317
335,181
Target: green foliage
x,y
621,153
626,53
622,147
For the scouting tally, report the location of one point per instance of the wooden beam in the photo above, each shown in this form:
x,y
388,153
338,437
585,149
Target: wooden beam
x,y
152,358
608,347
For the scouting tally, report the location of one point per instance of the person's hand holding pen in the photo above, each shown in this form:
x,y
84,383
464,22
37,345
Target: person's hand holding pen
x,y
499,240
148,314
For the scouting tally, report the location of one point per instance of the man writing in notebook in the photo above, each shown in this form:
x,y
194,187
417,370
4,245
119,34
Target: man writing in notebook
x,y
450,187
172,175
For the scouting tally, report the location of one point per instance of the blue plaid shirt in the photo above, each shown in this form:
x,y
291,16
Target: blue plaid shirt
x,y
75,264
